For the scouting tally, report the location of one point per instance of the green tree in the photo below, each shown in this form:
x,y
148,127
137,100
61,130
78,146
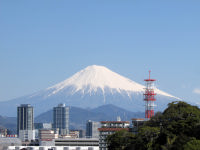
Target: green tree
x,y
145,138
177,128
119,140
193,144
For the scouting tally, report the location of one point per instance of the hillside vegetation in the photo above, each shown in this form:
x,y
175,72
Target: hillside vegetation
x,y
177,128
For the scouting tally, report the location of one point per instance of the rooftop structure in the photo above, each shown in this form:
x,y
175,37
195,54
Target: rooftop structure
x,y
42,125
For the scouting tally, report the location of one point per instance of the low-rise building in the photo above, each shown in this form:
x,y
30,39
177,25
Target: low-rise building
x,y
53,147
27,135
47,137
79,142
81,133
108,128
74,134
5,142
3,132
38,126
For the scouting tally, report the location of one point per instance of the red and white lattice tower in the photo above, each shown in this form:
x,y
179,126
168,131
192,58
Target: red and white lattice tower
x,y
149,97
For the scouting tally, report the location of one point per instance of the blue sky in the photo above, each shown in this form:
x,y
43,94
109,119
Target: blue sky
x,y
45,42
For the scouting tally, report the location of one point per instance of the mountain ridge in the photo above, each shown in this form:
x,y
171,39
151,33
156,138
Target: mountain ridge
x,y
77,116
91,87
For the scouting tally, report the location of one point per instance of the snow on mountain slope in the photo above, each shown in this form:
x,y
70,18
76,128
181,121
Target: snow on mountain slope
x,y
91,87
96,77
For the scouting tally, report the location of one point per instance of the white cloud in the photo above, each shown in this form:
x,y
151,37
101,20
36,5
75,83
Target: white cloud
x,y
196,91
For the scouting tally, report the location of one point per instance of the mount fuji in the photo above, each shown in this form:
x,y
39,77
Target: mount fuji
x,y
89,88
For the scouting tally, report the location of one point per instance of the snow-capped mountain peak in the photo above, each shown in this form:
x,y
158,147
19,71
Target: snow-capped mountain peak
x,y
91,87
97,77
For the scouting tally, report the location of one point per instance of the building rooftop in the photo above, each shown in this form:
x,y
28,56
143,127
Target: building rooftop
x,y
112,129
61,105
76,139
9,140
115,122
25,105
138,119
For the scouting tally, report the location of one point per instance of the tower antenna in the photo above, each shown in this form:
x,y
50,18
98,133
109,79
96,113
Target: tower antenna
x,y
149,97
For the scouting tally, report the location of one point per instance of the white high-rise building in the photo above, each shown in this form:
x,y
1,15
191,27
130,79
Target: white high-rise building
x,y
61,119
25,122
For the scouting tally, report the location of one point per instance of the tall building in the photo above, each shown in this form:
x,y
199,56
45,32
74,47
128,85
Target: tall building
x,y
25,119
92,129
61,119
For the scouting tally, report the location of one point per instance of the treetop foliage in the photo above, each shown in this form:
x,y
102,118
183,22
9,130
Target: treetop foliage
x,y
177,128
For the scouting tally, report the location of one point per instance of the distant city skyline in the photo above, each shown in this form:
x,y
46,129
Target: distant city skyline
x,y
45,42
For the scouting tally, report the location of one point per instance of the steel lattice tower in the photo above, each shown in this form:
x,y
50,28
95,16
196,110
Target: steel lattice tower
x,y
149,97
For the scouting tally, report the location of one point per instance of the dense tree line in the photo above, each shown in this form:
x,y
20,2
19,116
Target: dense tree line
x,y
177,128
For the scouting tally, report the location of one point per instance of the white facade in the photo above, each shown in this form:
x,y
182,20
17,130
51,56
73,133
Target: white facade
x,y
47,143
27,135
54,147
5,142
47,137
